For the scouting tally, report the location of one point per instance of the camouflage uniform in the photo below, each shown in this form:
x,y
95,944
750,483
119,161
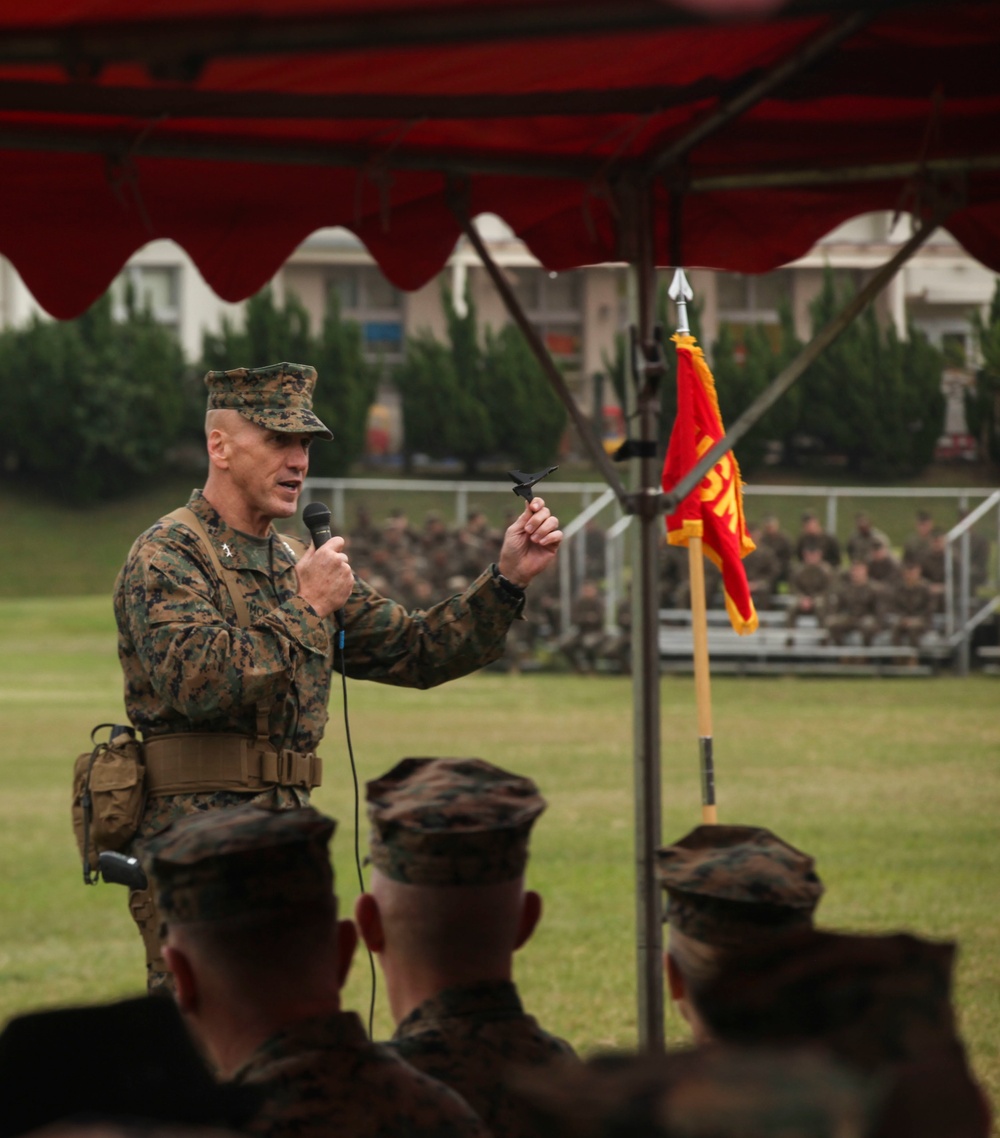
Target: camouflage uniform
x,y
912,604
128,1060
731,886
188,667
780,544
319,1075
884,570
463,822
721,1092
324,1077
853,606
582,645
880,1004
809,585
763,569
466,1037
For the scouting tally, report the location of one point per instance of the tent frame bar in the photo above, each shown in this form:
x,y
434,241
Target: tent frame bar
x,y
179,49
645,642
793,64
591,444
145,144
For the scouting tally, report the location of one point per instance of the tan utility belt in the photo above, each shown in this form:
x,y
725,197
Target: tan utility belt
x,y
196,762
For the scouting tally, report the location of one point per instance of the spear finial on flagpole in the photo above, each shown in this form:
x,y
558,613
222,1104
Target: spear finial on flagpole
x,y
680,292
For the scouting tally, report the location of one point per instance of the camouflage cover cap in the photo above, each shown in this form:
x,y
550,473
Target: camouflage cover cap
x,y
277,397
229,863
451,822
728,884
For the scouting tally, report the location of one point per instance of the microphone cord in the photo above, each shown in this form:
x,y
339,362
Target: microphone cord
x,y
357,821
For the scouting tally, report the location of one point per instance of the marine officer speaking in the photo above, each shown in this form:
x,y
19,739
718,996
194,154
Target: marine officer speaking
x,y
227,631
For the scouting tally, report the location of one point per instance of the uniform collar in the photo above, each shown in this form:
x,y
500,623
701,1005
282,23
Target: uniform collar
x,y
490,1000
331,1032
238,550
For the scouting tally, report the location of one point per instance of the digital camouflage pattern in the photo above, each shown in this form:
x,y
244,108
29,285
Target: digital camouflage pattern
x,y
470,1038
714,1093
323,1077
278,397
451,822
727,885
870,999
188,666
880,1004
212,866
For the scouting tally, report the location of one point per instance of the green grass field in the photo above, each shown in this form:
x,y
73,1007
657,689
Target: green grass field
x,y
893,785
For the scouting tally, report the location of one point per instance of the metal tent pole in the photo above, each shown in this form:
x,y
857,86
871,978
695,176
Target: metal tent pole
x,y
645,633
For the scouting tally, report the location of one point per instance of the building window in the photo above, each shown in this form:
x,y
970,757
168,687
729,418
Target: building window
x,y
744,301
156,287
552,302
369,299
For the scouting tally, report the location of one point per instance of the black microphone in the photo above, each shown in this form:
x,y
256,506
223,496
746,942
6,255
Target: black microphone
x,y
317,519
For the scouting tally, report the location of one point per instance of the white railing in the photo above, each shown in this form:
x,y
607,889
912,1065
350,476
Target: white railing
x,y
961,618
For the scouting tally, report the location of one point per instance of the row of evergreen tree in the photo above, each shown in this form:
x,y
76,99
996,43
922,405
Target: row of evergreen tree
x,y
96,405
871,402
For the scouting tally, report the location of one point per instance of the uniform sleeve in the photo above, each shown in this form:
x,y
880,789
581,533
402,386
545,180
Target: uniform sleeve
x,y
198,662
384,642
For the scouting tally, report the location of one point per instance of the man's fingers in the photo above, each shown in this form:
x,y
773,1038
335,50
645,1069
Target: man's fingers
x,y
543,533
550,539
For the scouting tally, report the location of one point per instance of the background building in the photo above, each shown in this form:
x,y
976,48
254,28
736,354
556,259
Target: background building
x,y
578,312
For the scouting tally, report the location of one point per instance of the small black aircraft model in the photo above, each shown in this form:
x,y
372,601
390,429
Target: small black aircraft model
x,y
525,482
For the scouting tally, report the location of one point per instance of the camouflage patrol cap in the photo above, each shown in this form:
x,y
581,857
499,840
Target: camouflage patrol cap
x,y
228,863
451,822
728,884
277,397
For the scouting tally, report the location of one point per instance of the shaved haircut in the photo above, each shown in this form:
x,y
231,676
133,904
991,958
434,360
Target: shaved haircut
x,y
224,419
456,929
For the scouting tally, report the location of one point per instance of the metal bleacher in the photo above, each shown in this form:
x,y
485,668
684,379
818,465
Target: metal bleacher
x,y
775,649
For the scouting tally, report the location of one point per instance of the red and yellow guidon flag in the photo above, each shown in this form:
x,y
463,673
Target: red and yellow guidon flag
x,y
712,511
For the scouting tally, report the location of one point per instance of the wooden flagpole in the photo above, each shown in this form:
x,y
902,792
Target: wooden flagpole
x,y
680,292
702,679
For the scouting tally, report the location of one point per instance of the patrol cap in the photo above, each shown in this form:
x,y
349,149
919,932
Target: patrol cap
x,y
231,863
451,822
277,397
131,1059
729,884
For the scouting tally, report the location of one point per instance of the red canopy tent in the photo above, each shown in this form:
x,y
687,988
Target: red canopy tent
x,y
237,127
600,130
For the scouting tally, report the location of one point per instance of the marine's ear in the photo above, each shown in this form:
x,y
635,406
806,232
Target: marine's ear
x,y
369,921
185,979
531,914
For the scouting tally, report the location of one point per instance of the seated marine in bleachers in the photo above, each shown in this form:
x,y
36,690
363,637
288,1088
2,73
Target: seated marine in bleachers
x,y
853,605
